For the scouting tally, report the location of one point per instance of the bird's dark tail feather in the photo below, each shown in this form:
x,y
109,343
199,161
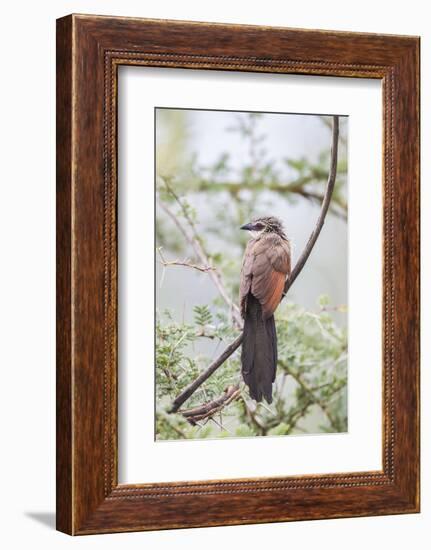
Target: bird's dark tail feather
x,y
259,351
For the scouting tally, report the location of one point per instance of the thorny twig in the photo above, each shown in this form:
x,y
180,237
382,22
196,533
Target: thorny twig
x,y
183,263
210,408
195,242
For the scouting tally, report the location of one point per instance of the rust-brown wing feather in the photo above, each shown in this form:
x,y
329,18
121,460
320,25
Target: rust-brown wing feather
x,y
267,263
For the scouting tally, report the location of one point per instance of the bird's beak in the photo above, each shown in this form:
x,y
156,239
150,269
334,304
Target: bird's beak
x,y
247,227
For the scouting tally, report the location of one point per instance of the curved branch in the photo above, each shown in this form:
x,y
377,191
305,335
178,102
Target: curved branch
x,y
209,409
323,211
191,388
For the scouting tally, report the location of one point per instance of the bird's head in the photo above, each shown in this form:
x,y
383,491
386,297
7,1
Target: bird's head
x,y
267,224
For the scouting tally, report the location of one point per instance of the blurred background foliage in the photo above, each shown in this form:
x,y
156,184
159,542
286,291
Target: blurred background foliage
x,y
216,170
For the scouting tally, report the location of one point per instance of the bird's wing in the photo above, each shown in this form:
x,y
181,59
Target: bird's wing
x,y
270,266
246,276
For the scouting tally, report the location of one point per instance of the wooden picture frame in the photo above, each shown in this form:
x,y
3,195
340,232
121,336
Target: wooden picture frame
x,y
89,52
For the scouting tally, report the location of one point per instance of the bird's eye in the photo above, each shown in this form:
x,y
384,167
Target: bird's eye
x,y
259,226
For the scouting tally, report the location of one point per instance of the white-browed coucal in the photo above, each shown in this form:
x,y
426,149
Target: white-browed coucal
x,y
265,267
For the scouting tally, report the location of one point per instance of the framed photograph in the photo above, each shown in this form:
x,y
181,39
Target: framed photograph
x,y
237,274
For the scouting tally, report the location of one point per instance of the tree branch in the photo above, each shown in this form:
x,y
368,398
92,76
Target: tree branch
x,y
189,390
297,187
207,410
323,211
183,263
332,421
195,242
328,124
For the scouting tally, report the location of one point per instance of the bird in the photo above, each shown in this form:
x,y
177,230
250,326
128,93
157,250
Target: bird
x,y
265,268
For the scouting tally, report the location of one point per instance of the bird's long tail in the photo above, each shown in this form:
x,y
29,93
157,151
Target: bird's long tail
x,y
259,351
